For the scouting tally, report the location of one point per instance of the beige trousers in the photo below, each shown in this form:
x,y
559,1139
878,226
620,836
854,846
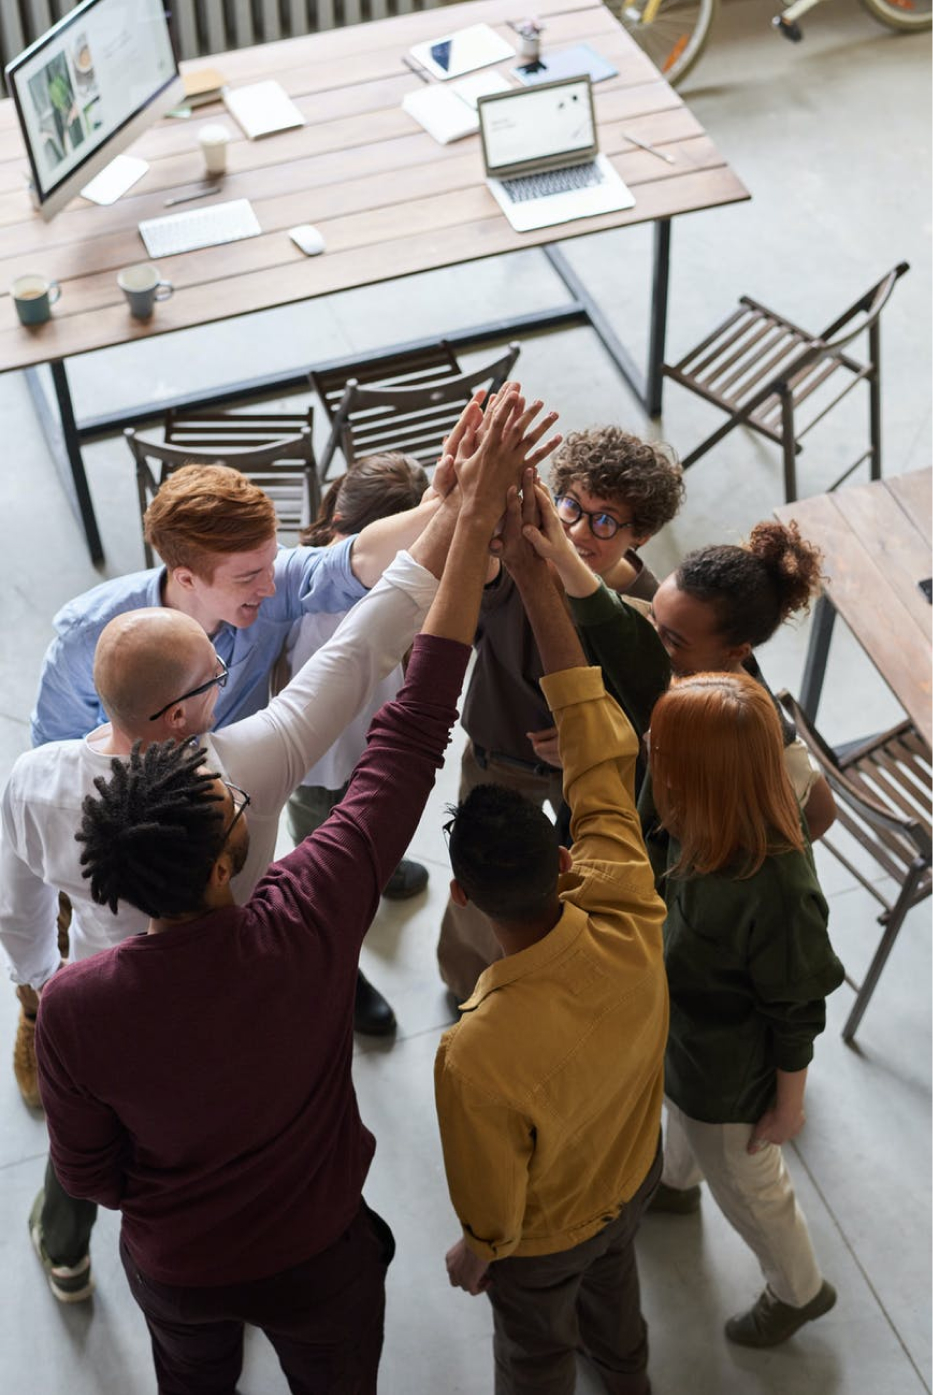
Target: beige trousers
x,y
467,944
754,1193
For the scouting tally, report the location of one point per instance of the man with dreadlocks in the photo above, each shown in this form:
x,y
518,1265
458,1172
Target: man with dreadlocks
x,y
223,1124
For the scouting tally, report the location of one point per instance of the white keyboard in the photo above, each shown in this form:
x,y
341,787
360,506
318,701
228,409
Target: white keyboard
x,y
199,227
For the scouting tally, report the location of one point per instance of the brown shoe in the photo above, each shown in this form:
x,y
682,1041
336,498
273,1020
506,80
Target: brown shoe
x,y
24,1060
769,1321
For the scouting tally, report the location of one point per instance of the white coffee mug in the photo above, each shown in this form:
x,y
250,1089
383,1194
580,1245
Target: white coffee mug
x,y
214,139
142,287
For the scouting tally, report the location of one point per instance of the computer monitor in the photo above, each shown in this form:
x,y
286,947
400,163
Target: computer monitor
x,y
86,89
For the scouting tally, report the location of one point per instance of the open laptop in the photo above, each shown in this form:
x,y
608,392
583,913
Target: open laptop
x,y
541,155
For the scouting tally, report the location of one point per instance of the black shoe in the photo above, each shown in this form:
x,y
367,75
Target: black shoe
x,y
371,1013
407,880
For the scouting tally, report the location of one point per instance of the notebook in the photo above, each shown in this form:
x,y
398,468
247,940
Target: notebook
x,y
542,157
262,108
462,52
577,61
449,113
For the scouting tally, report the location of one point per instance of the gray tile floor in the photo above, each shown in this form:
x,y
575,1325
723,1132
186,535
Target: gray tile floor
x,y
833,140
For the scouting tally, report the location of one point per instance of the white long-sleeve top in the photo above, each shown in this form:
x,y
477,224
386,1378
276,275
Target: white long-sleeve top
x,y
266,754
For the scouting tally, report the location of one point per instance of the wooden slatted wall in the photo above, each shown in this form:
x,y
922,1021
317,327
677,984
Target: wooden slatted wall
x,y
210,26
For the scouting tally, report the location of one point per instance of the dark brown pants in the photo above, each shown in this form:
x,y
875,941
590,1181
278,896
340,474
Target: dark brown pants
x,y
324,1318
547,1308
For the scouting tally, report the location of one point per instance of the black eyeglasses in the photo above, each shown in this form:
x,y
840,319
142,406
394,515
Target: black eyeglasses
x,y
220,679
602,525
240,808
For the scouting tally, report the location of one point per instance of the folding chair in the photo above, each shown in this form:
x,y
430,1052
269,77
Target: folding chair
x,y
272,449
760,368
882,786
406,401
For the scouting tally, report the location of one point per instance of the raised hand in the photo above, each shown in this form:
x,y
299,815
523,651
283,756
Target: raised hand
x,y
507,443
552,544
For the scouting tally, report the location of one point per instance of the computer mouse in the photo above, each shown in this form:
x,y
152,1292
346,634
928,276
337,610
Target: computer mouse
x,y
307,237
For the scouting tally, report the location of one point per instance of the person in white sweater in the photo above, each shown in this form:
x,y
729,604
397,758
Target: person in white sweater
x,y
374,487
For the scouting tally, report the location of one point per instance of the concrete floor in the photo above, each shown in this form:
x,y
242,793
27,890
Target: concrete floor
x,y
833,140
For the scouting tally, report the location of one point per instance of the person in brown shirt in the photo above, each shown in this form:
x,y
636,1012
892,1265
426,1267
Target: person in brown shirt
x,y
613,493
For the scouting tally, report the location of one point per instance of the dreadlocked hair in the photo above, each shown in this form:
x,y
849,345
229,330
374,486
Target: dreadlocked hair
x,y
152,835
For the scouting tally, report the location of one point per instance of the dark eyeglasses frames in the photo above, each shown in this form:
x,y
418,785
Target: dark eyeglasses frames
x,y
240,808
602,525
220,679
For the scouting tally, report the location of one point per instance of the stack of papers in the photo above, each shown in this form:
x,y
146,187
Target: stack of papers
x,y
448,113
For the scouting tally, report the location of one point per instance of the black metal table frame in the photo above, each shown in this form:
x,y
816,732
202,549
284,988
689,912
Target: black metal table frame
x,y
65,435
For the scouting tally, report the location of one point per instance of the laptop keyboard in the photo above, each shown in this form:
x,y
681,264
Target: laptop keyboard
x,y
201,227
562,181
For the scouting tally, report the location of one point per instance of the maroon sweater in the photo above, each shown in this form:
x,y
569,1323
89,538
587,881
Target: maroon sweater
x,y
200,1079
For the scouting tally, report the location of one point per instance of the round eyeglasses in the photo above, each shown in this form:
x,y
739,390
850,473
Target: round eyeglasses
x,y
602,525
220,679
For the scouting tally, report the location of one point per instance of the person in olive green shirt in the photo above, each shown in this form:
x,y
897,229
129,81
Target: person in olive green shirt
x,y
748,959
549,1088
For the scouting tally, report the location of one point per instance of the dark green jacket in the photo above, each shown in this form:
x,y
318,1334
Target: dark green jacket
x,y
749,965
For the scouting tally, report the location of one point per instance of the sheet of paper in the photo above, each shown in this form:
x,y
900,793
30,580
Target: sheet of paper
x,y
114,179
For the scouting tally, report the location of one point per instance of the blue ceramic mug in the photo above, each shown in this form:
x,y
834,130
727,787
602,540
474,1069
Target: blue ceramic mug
x,y
34,297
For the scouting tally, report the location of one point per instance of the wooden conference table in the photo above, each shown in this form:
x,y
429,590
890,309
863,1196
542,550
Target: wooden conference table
x,y
389,200
876,542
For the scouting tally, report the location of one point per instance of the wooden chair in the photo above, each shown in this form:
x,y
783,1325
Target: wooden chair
x,y
760,368
406,401
272,449
882,787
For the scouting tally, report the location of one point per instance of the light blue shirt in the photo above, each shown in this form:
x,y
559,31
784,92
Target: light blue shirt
x,y
307,579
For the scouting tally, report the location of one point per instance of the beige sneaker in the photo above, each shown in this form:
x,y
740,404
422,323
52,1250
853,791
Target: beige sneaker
x,y
24,1060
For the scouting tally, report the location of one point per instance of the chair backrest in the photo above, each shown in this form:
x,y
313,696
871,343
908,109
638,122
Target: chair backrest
x,y
870,305
399,413
885,783
283,465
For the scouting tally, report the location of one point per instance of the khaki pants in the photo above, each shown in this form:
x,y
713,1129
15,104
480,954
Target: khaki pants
x,y
754,1193
467,944
548,1307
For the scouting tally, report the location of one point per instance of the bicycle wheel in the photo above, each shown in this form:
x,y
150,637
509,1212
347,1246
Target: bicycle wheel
x,y
672,33
901,14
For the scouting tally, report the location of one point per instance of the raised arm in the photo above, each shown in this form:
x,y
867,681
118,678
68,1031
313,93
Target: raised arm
x,y
372,826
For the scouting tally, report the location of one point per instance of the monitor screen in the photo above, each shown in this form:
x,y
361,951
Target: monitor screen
x,y
537,123
80,88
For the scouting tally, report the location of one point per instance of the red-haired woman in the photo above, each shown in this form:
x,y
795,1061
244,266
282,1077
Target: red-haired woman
x,y
749,966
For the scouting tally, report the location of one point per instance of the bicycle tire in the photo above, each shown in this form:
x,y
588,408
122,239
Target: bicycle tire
x,y
672,33
906,16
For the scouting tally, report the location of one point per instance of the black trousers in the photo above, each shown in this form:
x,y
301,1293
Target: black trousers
x,y
324,1317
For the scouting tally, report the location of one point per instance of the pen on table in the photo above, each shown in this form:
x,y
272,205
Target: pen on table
x,y
415,68
651,149
186,198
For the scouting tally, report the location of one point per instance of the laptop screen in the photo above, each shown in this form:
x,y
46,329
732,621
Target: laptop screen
x,y
537,123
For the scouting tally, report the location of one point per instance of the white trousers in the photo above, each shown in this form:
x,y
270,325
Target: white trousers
x,y
754,1193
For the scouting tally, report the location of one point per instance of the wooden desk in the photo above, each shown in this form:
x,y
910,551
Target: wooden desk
x,y
389,200
876,541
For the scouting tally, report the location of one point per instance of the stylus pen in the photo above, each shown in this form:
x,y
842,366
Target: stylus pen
x,y
186,198
651,149
415,68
